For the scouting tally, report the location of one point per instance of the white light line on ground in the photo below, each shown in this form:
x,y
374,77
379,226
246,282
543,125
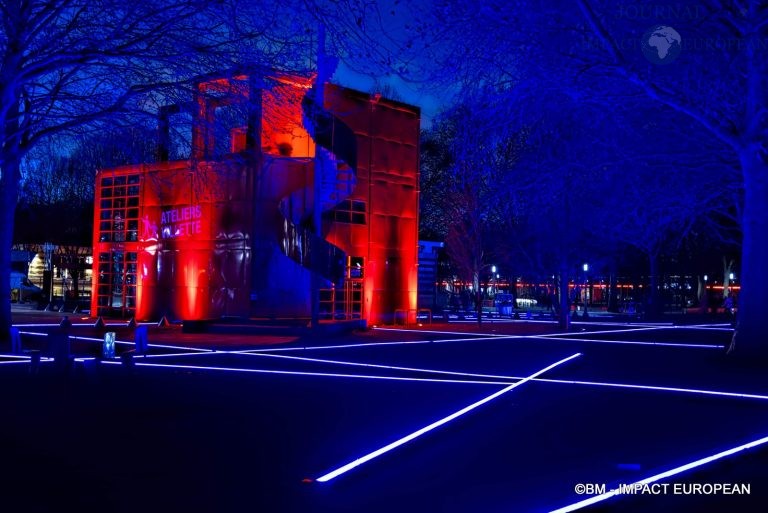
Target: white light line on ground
x,y
655,388
377,366
506,379
33,333
702,327
441,332
297,373
13,355
207,351
553,336
340,346
658,477
15,361
628,330
644,324
93,339
627,342
376,344
87,358
416,434
738,395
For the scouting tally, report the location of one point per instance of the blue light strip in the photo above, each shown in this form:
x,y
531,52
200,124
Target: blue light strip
x,y
658,477
416,434
297,373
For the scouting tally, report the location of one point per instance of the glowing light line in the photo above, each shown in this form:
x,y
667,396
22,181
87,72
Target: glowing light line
x,y
15,361
628,330
643,324
738,395
658,477
416,434
298,373
655,388
206,352
440,332
627,342
705,327
388,367
375,344
162,346
33,333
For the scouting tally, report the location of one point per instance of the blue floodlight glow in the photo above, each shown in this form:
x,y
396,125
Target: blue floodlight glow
x,y
658,477
298,373
397,443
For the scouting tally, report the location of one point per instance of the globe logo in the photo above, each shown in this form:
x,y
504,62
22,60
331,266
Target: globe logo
x,y
661,44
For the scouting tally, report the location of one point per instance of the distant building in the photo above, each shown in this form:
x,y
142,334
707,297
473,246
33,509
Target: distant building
x,y
229,231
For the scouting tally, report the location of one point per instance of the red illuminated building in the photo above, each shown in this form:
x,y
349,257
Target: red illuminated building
x,y
230,230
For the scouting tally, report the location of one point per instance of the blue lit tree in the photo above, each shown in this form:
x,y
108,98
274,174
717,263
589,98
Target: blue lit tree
x,y
471,151
602,51
719,81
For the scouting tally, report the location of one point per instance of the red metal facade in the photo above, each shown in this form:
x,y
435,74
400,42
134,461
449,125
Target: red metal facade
x,y
229,232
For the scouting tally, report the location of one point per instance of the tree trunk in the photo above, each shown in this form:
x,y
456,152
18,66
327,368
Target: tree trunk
x,y
565,303
9,188
751,335
479,307
727,270
653,308
613,303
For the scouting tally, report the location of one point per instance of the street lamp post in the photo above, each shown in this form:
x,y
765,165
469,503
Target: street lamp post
x,y
585,267
48,250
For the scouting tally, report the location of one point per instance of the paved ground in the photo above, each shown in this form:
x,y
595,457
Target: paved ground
x,y
249,423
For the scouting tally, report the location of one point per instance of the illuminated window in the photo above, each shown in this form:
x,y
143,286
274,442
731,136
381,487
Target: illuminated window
x,y
116,222
349,211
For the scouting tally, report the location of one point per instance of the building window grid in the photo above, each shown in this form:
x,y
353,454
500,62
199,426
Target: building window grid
x,y
119,209
351,212
118,222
